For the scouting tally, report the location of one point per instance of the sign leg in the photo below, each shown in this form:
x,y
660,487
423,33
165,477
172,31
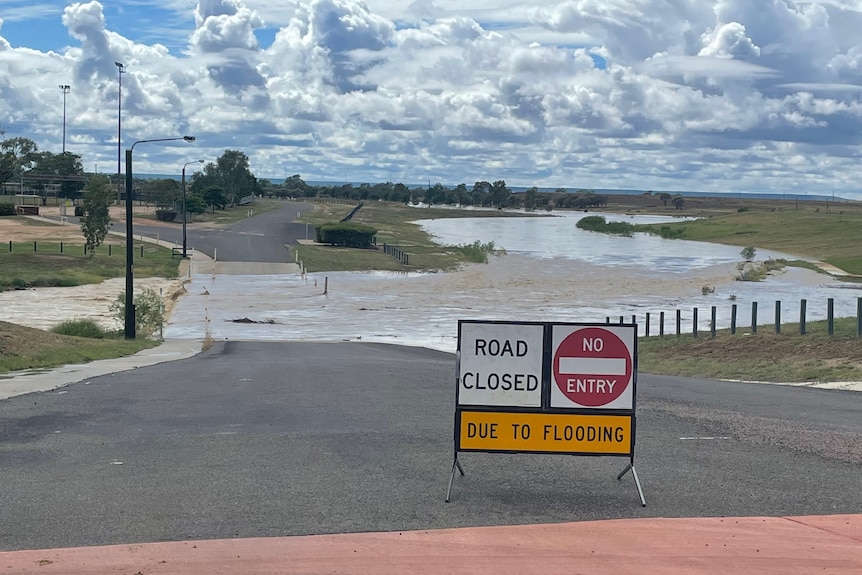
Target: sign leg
x,y
456,465
631,467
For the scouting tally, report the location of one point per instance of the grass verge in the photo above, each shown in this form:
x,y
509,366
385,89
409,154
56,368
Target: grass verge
x,y
49,267
761,356
27,348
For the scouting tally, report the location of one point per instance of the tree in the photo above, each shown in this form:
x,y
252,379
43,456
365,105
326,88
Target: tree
x,y
460,193
214,196
678,202
62,166
195,204
237,180
97,199
530,198
231,173
748,253
16,157
665,198
500,194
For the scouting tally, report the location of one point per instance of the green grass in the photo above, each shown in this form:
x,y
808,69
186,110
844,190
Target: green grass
x,y
47,267
394,224
761,356
73,350
80,328
832,237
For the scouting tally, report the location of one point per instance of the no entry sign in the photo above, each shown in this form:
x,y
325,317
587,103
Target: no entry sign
x,y
593,367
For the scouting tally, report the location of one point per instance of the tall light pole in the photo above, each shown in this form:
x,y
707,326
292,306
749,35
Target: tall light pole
x,y
129,327
121,69
184,201
65,89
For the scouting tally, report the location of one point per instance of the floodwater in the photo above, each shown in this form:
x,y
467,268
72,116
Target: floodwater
x,y
552,272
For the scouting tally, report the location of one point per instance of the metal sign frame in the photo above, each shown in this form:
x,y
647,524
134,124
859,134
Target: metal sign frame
x,y
544,409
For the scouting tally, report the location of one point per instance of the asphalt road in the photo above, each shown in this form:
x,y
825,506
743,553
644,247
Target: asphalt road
x,y
264,237
257,439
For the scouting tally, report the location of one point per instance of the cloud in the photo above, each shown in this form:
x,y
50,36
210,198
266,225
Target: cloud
x,y
629,93
227,27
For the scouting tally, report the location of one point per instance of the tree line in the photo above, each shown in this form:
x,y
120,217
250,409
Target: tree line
x,y
229,181
481,194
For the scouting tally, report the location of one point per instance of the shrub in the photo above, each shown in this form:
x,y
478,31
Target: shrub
x,y
166,215
149,314
7,210
670,233
346,234
599,224
742,209
80,328
477,252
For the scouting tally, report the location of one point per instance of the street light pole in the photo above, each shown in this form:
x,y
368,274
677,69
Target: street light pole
x,y
121,69
129,327
184,202
65,88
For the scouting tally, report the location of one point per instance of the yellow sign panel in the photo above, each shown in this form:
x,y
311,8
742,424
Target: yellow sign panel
x,y
545,432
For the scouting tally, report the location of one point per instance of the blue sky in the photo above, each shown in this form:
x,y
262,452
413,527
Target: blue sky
x,y
713,95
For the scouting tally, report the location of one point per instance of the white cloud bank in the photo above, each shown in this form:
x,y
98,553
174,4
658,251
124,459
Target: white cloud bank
x,y
721,95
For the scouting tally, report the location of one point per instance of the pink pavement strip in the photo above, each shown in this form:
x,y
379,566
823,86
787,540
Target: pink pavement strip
x,y
729,546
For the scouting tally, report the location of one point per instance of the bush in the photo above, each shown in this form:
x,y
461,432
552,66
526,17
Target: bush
x,y
7,210
80,328
599,224
477,252
166,215
346,234
149,314
742,209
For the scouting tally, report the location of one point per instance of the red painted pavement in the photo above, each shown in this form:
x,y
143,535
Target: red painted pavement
x,y
730,546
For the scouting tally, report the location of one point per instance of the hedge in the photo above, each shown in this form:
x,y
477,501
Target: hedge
x,y
346,234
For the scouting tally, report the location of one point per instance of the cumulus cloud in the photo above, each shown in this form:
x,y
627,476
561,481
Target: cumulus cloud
x,y
226,27
629,93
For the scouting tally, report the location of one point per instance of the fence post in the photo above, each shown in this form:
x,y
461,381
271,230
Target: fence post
x,y
622,320
694,322
34,245
858,316
777,316
830,315
142,250
733,319
661,324
608,319
109,249
61,247
678,322
712,321
754,317
10,246
646,322
803,304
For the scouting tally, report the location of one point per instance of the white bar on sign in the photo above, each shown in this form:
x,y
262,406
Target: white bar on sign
x,y
593,365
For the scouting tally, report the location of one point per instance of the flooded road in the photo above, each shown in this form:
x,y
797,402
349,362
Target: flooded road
x,y
552,272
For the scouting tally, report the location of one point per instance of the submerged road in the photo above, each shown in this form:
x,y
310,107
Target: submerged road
x,y
255,439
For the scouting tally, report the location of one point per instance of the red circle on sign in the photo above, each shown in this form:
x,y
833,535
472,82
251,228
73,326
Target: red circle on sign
x,y
592,366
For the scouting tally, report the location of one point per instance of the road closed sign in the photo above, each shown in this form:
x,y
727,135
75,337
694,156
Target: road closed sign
x,y
593,366
500,364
